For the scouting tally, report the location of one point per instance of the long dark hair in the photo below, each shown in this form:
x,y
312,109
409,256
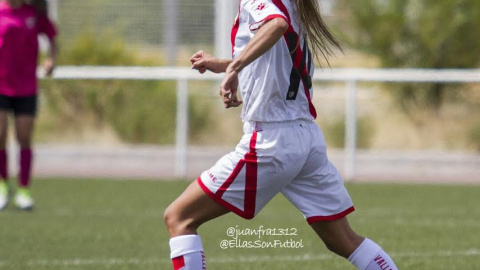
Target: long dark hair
x,y
40,5
319,35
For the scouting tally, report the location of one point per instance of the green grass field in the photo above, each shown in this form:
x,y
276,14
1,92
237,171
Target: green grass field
x,y
103,224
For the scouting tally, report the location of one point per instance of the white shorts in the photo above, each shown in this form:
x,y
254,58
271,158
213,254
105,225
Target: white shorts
x,y
287,157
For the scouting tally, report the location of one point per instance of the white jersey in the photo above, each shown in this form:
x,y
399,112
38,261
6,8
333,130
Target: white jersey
x,y
277,86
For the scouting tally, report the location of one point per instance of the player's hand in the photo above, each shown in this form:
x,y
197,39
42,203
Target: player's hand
x,y
203,61
228,89
49,66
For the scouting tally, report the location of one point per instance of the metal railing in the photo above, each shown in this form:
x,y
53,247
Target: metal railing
x,y
350,76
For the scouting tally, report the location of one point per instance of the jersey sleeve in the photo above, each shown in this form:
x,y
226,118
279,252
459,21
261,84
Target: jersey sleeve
x,y
46,27
262,11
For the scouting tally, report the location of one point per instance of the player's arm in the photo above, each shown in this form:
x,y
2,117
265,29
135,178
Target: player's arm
x,y
268,34
50,61
203,61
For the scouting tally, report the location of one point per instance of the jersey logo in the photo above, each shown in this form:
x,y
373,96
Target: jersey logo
x,y
261,6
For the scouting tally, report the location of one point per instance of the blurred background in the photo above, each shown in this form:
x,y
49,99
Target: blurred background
x,y
124,128
401,104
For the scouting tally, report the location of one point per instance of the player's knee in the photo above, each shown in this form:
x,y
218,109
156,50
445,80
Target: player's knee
x,y
170,218
175,222
3,141
24,143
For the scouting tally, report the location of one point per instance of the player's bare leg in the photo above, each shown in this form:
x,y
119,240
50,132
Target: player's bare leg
x,y
3,160
182,218
3,144
24,125
339,238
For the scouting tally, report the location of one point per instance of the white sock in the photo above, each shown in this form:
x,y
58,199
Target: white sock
x,y
187,253
370,256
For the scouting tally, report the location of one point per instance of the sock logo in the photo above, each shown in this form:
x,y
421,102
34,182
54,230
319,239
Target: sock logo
x,y
382,263
204,264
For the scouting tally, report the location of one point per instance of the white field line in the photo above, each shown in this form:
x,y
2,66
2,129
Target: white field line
x,y
425,222
241,259
441,221
330,256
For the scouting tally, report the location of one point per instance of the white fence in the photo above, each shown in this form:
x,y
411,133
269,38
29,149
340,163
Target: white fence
x,y
349,76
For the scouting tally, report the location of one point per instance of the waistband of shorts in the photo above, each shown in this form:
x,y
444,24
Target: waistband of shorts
x,y
252,126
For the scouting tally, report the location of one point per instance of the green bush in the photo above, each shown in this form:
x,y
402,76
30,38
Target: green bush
x,y
434,34
335,132
474,136
137,111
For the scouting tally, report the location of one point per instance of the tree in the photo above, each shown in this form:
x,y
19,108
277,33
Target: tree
x,y
417,34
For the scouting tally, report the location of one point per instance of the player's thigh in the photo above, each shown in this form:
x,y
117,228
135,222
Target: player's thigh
x,y
25,109
191,209
245,180
3,128
4,112
24,125
318,191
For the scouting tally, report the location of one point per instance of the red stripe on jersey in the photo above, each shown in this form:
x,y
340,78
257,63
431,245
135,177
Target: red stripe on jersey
x,y
257,25
178,262
282,8
234,32
297,55
340,215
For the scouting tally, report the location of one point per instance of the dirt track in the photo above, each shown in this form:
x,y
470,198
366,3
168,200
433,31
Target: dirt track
x,y
153,162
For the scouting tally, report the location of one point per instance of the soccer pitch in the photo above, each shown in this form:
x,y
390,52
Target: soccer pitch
x,y
106,224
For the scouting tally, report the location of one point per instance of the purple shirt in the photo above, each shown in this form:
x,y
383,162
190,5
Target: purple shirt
x,y
19,29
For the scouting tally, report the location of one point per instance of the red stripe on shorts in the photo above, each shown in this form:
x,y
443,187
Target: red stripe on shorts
x,y
251,169
340,215
230,178
250,162
219,200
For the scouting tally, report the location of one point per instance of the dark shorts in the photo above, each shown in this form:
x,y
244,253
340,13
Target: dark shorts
x,y
19,105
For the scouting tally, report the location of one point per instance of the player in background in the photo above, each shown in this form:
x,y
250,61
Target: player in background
x,y
20,25
282,149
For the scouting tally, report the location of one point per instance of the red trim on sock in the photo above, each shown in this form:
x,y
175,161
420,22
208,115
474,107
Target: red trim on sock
x,y
314,219
178,262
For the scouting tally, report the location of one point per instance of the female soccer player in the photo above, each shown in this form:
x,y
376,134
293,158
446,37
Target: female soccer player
x,y
282,149
20,24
